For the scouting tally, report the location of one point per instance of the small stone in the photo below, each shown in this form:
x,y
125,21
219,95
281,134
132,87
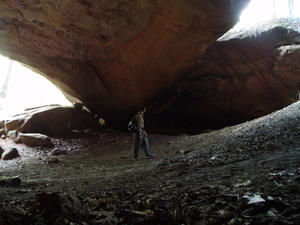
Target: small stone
x,y
10,154
224,213
272,212
14,181
3,136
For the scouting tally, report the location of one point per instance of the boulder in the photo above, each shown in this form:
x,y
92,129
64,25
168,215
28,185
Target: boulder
x,y
246,74
113,55
52,120
35,140
10,154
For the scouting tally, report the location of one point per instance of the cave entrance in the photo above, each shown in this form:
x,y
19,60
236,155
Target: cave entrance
x,y
21,88
259,11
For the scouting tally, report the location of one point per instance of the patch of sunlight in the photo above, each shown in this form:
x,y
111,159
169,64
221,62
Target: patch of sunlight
x,y
263,10
21,88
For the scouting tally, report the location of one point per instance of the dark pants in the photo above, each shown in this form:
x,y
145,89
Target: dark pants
x,y
140,140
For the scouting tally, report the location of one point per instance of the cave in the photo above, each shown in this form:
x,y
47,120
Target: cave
x,y
155,112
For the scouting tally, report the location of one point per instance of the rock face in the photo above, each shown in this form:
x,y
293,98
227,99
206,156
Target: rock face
x,y
244,75
113,55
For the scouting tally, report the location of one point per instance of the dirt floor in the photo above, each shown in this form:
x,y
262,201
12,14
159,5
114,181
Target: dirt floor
x,y
245,174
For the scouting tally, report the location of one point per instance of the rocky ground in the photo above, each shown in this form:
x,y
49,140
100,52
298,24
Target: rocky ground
x,y
245,174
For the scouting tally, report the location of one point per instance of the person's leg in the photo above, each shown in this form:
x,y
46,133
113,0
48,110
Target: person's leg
x,y
145,145
136,145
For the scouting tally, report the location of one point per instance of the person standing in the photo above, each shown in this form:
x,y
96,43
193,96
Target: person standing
x,y
136,126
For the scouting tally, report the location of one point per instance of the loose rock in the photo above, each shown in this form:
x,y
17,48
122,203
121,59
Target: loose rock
x,y
11,181
10,154
35,140
13,134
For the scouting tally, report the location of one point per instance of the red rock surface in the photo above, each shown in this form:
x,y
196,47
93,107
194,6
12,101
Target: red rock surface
x,y
113,55
246,74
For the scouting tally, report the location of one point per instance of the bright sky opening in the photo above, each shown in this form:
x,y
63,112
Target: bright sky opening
x,y
24,89
263,10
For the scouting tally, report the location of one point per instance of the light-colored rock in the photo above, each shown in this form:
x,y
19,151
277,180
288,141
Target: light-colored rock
x,y
13,134
10,154
35,140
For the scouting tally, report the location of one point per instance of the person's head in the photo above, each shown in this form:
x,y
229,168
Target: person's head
x,y
78,106
142,110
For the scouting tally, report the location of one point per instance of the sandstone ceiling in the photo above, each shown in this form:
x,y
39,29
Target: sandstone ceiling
x,y
246,74
113,55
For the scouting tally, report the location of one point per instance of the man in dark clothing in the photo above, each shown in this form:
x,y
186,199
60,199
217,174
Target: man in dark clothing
x,y
140,135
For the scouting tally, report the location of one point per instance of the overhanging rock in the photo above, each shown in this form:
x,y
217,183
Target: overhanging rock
x,y
113,55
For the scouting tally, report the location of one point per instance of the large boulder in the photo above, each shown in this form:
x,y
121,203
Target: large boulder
x,y
246,74
52,120
113,55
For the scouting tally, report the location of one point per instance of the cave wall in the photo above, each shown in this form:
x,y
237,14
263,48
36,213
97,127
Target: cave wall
x,y
246,74
113,55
